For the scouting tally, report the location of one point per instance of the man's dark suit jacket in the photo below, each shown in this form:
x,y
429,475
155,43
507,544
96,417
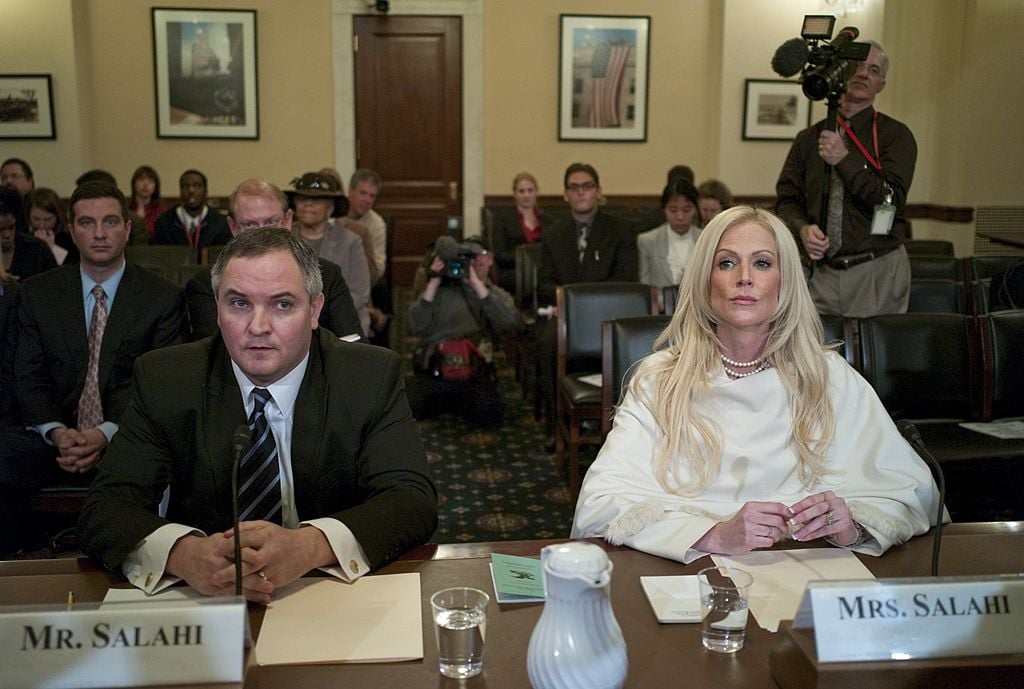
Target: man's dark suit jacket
x,y
214,231
338,314
356,452
53,345
611,255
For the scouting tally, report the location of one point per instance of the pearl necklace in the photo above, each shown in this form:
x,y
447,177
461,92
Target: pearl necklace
x,y
736,374
741,364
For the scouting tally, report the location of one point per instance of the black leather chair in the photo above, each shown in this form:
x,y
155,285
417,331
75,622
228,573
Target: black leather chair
x,y
935,268
522,344
929,247
624,342
165,259
581,309
937,296
839,329
984,267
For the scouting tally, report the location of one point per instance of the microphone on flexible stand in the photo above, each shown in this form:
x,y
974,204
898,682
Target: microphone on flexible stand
x,y
913,436
240,444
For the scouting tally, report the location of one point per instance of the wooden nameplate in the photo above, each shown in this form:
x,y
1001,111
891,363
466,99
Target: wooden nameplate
x,y
794,665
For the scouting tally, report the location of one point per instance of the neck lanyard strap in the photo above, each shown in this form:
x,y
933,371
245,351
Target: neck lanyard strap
x,y
853,137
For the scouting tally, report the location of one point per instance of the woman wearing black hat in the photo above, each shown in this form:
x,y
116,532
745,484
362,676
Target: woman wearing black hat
x,y
314,196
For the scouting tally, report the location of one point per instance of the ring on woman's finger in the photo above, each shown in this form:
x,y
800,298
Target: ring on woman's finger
x,y
263,575
829,518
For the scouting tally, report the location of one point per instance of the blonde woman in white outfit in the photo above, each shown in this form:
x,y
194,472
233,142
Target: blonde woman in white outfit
x,y
746,429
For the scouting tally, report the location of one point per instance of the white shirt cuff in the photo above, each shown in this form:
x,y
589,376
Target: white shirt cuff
x,y
144,567
352,562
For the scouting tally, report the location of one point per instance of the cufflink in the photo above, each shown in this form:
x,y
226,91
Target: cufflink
x,y
354,566
149,579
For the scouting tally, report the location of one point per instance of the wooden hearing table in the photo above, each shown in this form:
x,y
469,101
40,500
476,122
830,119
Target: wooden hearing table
x,y
659,655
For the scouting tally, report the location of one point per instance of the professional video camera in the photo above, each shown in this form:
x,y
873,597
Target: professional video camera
x,y
456,256
825,66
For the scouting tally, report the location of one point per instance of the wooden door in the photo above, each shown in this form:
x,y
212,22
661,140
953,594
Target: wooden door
x,y
408,97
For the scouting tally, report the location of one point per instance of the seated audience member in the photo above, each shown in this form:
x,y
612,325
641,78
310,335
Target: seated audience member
x,y
254,204
16,174
665,251
335,478
192,221
139,233
363,187
747,429
23,255
656,216
314,196
81,327
44,218
9,292
715,197
341,217
588,246
455,319
145,197
515,226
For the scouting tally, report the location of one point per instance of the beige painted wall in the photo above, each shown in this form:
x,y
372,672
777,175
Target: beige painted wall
x,y
521,96
55,163
956,80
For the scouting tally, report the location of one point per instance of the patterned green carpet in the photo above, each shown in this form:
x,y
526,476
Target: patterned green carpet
x,y
497,485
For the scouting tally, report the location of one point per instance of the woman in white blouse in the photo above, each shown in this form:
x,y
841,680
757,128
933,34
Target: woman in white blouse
x,y
746,429
665,251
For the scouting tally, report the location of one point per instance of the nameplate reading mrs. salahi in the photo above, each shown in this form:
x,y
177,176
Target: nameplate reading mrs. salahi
x,y
900,619
122,644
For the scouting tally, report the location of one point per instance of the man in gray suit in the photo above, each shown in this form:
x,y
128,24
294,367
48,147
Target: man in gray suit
x,y
347,487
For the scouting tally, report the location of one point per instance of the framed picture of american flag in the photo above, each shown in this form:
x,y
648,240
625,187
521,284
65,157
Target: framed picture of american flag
x,y
602,86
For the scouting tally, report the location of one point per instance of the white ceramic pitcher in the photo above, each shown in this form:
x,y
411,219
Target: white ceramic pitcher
x,y
577,643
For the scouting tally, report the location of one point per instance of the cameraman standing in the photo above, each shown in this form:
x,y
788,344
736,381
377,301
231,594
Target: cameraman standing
x,y
455,316
861,268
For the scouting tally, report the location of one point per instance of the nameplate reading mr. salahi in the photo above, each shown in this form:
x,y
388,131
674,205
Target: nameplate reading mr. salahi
x,y
123,644
899,619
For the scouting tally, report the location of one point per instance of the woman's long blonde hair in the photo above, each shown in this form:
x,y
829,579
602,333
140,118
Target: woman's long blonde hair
x,y
691,446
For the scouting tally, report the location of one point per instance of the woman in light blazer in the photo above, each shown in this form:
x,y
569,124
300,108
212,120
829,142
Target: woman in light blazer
x,y
665,251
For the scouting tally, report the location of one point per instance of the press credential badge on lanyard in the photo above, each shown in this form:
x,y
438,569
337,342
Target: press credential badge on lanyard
x,y
885,212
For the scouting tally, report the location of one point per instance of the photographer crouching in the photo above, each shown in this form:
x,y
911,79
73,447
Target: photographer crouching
x,y
456,316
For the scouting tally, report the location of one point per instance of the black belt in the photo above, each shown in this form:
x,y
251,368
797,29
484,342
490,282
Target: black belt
x,y
846,262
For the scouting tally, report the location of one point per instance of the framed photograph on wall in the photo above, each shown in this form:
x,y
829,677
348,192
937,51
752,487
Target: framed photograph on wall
x,y
205,71
774,110
602,85
26,107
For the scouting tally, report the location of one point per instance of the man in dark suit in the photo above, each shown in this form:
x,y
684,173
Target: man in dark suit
x,y
341,482
192,222
81,327
253,204
588,246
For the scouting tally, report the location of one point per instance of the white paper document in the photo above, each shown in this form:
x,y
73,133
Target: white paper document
x,y
316,621
674,598
780,577
594,379
1006,430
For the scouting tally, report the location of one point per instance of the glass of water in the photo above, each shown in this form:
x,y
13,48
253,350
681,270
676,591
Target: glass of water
x,y
460,620
724,593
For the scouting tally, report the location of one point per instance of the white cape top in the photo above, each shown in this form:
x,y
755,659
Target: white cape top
x,y
888,488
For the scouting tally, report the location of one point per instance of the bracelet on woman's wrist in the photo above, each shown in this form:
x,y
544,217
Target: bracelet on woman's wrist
x,y
862,536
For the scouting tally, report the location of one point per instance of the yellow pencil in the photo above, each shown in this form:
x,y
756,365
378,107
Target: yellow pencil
x,y
71,599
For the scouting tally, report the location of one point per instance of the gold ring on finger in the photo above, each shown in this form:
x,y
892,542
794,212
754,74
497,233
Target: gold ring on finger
x,y
829,518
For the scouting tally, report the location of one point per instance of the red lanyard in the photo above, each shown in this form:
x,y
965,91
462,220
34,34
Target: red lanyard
x,y
193,237
874,130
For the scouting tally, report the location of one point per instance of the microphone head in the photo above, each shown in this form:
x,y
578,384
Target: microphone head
x,y
790,57
446,248
908,430
242,439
